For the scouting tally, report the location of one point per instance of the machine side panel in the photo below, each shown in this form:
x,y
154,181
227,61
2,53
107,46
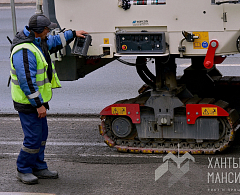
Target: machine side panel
x,y
105,15
102,19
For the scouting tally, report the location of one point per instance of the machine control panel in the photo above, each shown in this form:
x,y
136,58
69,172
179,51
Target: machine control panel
x,y
141,42
81,45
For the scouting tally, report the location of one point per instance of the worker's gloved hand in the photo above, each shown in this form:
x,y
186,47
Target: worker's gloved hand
x,y
80,33
42,112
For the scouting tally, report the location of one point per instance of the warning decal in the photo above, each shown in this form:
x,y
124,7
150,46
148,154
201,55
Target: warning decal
x,y
202,42
119,110
106,40
209,111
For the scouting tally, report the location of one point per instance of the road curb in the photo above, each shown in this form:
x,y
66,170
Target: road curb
x,y
58,115
18,1
17,4
23,193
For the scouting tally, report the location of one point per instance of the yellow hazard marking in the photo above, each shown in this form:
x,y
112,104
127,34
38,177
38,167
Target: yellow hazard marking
x,y
119,110
202,42
209,111
106,40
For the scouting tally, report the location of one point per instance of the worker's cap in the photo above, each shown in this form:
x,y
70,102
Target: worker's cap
x,y
38,22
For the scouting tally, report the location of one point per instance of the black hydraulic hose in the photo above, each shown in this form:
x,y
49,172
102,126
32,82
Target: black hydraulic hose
x,y
221,2
143,75
237,44
145,78
149,73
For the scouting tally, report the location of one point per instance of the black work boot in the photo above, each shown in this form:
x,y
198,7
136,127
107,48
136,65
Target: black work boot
x,y
46,174
27,178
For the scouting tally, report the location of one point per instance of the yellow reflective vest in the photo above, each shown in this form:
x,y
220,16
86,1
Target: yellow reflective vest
x,y
44,86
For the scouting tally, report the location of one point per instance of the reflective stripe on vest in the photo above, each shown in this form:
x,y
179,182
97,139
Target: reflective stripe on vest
x,y
40,71
39,83
42,80
63,40
33,95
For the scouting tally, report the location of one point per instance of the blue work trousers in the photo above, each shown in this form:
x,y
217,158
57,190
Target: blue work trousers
x,y
31,156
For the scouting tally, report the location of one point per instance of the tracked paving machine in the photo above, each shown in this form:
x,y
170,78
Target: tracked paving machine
x,y
197,112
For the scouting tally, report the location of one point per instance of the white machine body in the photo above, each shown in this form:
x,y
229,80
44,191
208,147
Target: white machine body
x,y
204,19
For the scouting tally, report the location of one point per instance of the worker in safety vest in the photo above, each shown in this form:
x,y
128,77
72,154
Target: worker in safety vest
x,y
32,78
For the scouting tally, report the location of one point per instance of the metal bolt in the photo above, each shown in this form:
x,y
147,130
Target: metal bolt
x,y
164,121
188,113
196,113
129,112
213,44
188,120
137,113
137,119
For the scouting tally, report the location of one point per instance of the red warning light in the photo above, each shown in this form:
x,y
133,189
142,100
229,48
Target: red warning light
x,y
124,47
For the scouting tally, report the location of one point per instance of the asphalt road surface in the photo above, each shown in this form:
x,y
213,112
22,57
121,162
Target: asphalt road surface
x,y
87,166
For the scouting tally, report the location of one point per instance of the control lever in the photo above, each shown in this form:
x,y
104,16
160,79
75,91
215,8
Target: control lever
x,y
209,59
